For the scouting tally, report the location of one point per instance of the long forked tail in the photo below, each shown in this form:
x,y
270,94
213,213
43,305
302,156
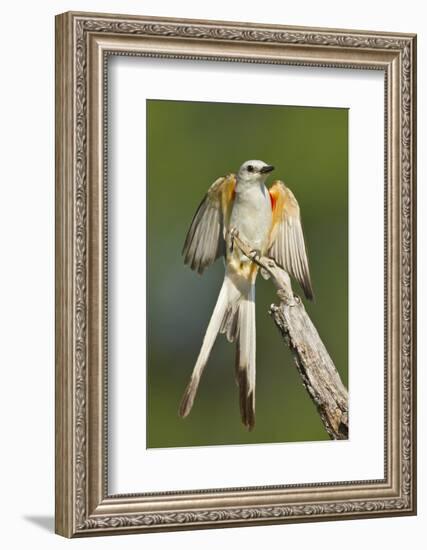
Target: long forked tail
x,y
233,315
245,358
227,295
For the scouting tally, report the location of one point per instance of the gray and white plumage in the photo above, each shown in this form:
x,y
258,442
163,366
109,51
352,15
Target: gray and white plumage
x,y
269,222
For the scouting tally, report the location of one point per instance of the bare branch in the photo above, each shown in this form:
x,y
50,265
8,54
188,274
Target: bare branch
x,y
316,368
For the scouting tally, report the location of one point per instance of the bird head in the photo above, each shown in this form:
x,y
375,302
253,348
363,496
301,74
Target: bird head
x,y
254,171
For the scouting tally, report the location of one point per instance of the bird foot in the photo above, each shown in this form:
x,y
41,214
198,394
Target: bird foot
x,y
233,234
254,255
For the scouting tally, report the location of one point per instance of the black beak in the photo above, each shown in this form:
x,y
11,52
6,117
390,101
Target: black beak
x,y
266,169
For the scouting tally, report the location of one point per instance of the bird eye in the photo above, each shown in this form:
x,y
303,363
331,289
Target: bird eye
x,y
250,168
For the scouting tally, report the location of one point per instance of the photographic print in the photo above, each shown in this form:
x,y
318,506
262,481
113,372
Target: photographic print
x,y
235,257
230,188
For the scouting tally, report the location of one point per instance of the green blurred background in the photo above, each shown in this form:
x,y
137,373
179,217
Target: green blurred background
x,y
190,144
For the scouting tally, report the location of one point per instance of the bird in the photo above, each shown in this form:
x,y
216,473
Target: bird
x,y
267,220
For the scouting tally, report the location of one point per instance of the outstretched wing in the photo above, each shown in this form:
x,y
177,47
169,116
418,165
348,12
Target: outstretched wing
x,y
205,238
287,246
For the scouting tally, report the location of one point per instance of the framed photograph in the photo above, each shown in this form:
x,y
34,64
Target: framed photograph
x,y
235,274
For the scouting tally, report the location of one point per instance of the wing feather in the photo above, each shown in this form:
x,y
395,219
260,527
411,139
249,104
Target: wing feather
x,y
204,242
287,246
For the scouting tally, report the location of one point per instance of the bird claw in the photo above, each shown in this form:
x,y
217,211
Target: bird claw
x,y
254,255
233,233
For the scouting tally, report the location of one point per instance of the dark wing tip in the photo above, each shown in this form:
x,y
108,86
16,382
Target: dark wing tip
x,y
308,290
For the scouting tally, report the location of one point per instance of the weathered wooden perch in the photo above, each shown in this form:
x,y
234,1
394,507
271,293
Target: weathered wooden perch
x,y
317,370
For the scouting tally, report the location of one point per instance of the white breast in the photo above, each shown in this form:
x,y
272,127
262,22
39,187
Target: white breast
x,y
252,216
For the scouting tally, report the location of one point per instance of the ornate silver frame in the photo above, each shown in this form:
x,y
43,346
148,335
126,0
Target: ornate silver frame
x,y
83,41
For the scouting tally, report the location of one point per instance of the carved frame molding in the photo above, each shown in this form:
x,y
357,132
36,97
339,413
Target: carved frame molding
x,y
83,43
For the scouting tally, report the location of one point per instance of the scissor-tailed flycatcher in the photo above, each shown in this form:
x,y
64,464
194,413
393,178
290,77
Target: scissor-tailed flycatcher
x,y
269,222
